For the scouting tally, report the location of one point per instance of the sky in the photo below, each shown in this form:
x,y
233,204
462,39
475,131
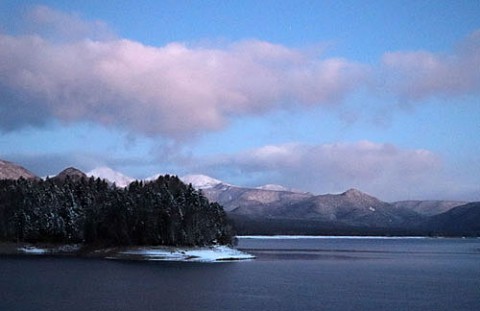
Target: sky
x,y
321,96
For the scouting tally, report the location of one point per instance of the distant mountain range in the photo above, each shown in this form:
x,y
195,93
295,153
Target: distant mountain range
x,y
274,209
278,210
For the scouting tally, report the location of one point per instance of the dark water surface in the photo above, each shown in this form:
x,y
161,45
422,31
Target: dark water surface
x,y
301,274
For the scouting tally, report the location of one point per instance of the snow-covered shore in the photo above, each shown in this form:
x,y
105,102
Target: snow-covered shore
x,y
52,250
216,253
200,254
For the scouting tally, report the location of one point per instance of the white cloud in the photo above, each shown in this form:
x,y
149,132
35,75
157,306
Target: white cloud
x,y
59,25
383,170
175,90
421,74
178,91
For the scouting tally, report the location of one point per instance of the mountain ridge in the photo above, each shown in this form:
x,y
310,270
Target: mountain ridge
x,y
72,173
114,177
278,206
428,207
10,170
202,182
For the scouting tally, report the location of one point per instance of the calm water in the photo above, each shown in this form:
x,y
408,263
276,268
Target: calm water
x,y
304,274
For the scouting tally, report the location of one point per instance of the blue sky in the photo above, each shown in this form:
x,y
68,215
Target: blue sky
x,y
383,96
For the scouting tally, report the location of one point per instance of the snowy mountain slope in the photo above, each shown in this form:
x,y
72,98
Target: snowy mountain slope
x,y
153,177
201,181
273,187
113,176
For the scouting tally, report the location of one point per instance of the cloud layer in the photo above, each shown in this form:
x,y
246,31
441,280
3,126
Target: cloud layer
x,y
421,74
66,69
61,26
75,70
175,90
381,169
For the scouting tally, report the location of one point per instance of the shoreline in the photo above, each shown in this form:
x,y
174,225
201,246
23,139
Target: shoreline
x,y
346,237
206,254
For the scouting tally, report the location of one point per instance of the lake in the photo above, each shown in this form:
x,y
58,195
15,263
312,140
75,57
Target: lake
x,y
288,274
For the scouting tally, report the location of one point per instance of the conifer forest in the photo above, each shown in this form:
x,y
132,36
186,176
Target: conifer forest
x,y
91,211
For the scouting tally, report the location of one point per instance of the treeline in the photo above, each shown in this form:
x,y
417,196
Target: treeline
x,y
246,225
90,211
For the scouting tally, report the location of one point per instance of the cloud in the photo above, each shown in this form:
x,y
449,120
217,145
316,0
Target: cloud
x,y
49,164
58,25
421,74
175,90
384,170
76,70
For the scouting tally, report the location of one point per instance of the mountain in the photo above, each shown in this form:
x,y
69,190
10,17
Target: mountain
x,y
9,170
352,208
153,177
235,198
72,173
112,176
200,181
274,209
273,187
463,220
428,208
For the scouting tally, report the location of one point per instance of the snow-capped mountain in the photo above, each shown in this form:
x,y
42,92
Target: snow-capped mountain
x,y
113,176
201,181
153,177
273,187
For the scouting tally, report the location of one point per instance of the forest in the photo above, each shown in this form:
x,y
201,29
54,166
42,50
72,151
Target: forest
x,y
91,211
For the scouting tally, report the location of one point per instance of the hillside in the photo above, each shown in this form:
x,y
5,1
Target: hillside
x,y
9,170
351,208
252,200
428,207
273,209
71,173
462,220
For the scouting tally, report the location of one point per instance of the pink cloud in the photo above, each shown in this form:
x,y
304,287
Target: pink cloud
x,y
382,169
178,91
422,74
65,26
174,90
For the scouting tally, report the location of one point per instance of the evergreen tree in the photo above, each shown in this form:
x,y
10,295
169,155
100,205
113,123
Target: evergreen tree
x,y
161,212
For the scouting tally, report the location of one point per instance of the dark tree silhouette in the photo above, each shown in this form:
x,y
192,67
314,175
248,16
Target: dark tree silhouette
x,y
90,211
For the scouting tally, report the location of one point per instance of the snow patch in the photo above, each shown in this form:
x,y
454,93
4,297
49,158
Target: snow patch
x,y
60,249
33,250
112,176
154,177
201,181
202,254
273,187
68,248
